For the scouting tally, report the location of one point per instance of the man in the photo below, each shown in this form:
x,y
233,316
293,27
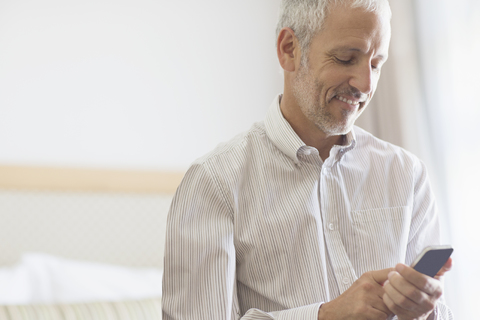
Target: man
x,y
306,216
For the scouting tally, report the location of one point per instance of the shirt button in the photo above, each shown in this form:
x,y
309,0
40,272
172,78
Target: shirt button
x,y
346,281
331,226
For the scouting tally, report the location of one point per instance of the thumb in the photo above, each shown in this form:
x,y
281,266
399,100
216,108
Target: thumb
x,y
380,276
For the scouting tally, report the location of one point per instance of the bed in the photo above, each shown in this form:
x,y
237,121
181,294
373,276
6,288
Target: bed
x,y
82,243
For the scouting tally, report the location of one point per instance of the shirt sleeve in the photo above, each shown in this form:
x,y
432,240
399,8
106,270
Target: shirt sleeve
x,y
442,312
425,228
199,279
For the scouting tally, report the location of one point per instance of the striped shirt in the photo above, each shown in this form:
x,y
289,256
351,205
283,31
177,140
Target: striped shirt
x,y
262,228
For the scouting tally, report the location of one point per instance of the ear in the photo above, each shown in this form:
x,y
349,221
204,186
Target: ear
x,y
288,50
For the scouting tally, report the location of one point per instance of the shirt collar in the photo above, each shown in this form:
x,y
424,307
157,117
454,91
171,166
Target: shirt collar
x,y
350,140
286,139
280,132
338,151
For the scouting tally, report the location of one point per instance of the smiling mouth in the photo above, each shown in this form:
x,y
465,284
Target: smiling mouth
x,y
350,102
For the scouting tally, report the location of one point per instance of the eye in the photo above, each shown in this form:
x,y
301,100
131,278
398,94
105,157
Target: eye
x,y
377,64
346,62
376,68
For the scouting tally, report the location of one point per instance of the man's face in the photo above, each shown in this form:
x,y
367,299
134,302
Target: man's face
x,y
338,77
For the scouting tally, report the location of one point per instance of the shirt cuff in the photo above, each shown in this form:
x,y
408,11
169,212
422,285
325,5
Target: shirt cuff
x,y
442,312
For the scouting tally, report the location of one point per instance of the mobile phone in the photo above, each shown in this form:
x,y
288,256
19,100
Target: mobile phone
x,y
432,259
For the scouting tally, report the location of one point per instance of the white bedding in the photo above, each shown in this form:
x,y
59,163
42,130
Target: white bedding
x,y
45,279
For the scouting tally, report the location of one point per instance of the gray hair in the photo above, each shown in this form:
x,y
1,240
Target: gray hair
x,y
306,17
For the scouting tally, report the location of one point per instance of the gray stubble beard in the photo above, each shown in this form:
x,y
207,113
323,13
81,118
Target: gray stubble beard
x,y
307,92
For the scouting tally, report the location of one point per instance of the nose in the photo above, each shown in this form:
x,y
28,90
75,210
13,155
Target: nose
x,y
362,78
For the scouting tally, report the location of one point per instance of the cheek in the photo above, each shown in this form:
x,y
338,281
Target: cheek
x,y
336,76
375,82
327,83
336,81
374,88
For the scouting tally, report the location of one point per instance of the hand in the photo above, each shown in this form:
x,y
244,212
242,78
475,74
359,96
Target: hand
x,y
363,300
412,295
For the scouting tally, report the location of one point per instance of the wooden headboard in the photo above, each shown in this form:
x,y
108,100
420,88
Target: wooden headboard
x,y
90,180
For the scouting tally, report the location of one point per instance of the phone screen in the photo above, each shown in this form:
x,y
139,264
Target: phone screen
x,y
432,260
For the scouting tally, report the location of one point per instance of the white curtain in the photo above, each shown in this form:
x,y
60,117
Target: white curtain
x,y
427,101
449,42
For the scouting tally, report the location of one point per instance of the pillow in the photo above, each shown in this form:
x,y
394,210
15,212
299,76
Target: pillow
x,y
148,309
45,279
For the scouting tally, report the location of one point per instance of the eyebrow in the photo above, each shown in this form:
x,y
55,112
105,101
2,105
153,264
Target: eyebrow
x,y
347,49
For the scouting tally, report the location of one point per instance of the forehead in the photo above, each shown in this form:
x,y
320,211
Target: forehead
x,y
356,28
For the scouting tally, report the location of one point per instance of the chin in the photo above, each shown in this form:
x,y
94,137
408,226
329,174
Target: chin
x,y
338,128
335,129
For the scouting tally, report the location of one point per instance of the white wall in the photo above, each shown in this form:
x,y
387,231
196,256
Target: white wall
x,y
138,84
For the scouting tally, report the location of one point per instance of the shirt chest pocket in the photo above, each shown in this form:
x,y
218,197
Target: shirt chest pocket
x,y
381,237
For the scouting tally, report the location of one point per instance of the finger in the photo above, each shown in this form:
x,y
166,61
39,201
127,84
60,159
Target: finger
x,y
446,267
424,283
410,291
374,289
375,313
379,304
400,312
376,298
407,305
380,276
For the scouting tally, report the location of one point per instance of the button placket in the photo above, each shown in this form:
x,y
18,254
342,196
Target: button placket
x,y
341,264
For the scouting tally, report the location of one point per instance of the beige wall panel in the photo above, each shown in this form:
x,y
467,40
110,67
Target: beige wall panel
x,y
91,180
